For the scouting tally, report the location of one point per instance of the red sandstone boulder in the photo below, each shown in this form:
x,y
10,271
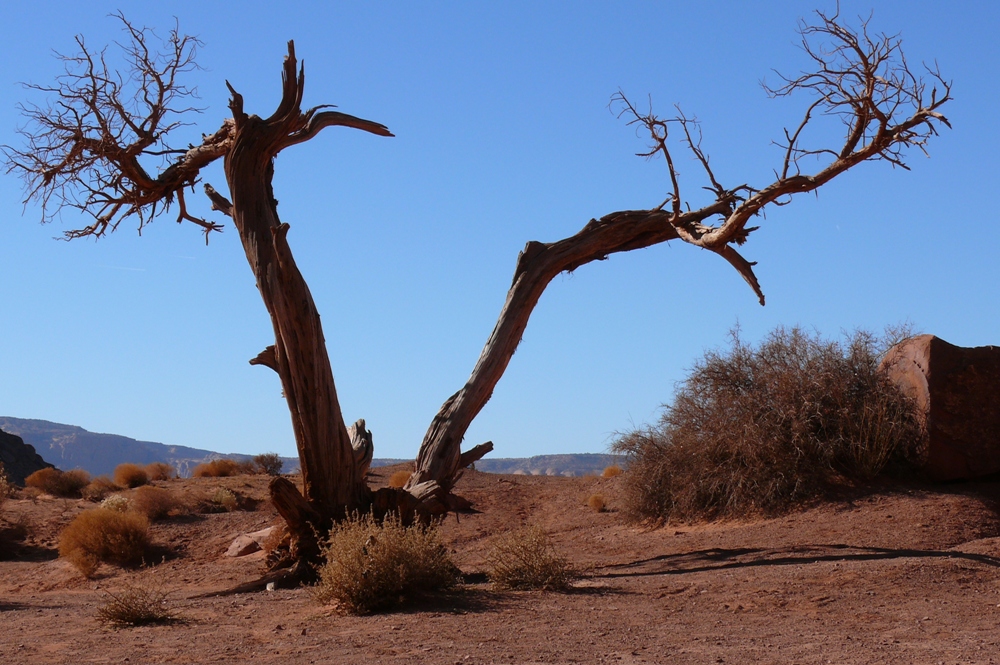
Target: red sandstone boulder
x,y
957,391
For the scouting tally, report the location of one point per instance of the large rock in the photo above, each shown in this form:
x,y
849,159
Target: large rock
x,y
957,391
19,459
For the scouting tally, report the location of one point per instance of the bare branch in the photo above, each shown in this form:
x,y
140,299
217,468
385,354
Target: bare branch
x,y
860,79
219,202
88,145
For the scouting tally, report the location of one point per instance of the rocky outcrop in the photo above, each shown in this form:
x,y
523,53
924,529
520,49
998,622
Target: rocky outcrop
x,y
19,459
957,393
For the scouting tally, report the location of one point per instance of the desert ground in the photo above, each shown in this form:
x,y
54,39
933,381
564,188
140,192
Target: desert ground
x,y
899,574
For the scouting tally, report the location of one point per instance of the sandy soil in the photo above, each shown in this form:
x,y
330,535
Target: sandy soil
x,y
909,575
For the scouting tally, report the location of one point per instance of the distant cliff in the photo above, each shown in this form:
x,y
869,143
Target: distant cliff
x,y
570,464
72,447
19,459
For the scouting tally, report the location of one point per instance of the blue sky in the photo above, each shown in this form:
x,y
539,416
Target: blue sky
x,y
503,135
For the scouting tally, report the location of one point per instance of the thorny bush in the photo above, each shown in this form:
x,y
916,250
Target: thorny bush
x,y
374,565
759,430
524,559
135,605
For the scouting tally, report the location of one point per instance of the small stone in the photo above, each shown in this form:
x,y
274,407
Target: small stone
x,y
242,546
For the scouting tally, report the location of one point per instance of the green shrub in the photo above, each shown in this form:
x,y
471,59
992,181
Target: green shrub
x,y
524,559
372,566
135,605
107,536
269,463
131,475
759,430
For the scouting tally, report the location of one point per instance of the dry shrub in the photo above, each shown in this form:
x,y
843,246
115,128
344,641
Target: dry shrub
x,y
135,605
225,499
217,468
524,559
247,468
6,487
372,566
155,503
611,471
757,431
46,480
131,475
59,483
107,536
160,471
399,478
98,489
596,502
72,482
269,463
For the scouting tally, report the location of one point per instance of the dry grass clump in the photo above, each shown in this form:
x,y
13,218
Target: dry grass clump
x,y
399,479
372,566
98,489
524,559
104,536
759,430
156,503
131,475
217,468
269,463
596,502
160,471
611,471
59,483
225,499
135,605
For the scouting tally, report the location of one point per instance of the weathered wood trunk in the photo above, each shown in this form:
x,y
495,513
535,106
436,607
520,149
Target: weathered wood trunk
x,y
333,471
440,459
300,356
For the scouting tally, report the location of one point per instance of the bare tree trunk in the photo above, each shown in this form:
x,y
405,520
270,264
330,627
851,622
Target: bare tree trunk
x,y
440,459
333,474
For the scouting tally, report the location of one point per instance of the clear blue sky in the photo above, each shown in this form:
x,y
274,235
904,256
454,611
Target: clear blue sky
x,y
503,135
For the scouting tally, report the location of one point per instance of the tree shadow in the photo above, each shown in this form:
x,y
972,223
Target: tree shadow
x,y
725,559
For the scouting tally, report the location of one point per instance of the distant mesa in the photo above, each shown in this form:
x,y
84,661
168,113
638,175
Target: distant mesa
x,y
72,447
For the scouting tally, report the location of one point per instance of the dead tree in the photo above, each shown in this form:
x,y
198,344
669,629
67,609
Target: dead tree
x,y
89,149
857,77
